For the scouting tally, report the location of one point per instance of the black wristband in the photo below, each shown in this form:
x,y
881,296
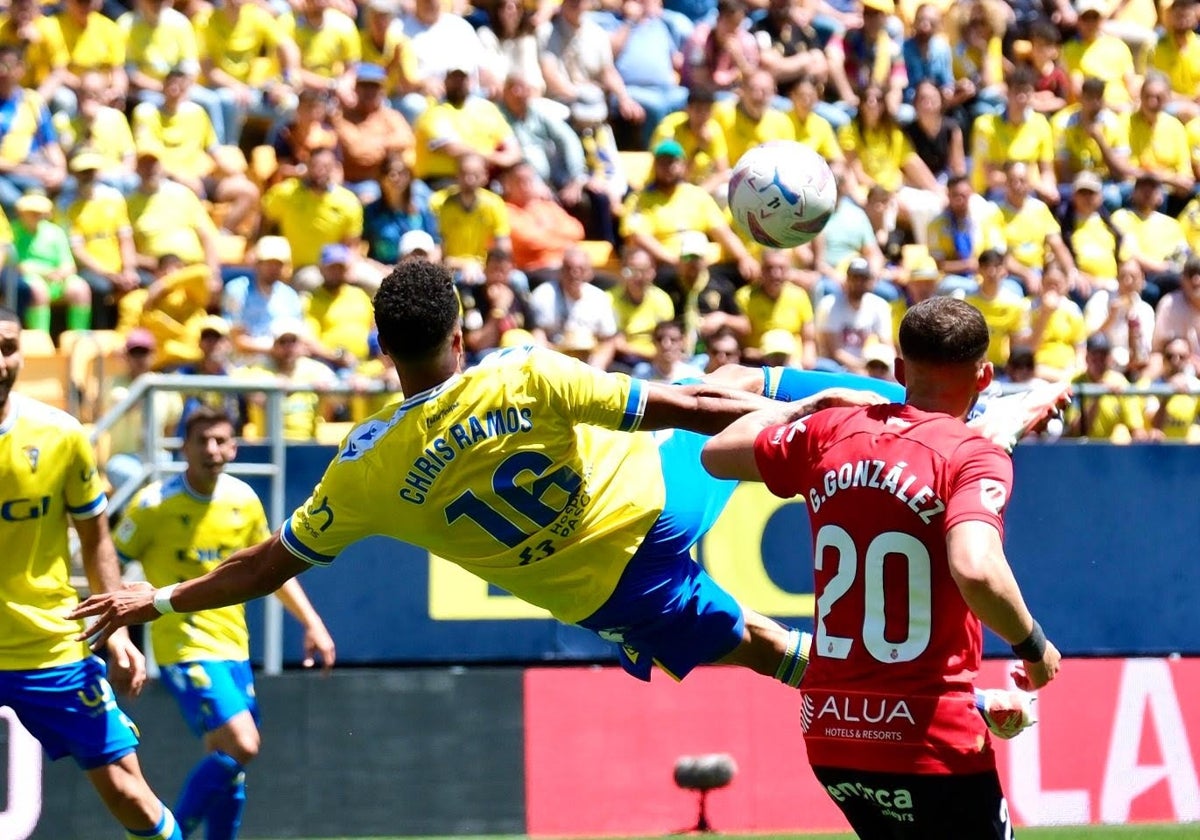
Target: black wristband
x,y
1034,647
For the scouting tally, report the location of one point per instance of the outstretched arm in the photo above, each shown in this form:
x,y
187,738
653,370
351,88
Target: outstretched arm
x,y
247,574
316,638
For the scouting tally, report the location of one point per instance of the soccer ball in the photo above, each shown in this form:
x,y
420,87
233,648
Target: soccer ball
x,y
782,193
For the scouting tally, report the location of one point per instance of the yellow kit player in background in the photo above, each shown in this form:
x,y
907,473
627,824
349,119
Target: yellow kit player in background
x,y
179,529
48,677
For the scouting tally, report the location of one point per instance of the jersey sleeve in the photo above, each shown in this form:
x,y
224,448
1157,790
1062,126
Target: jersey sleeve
x,y
83,489
981,485
781,453
586,395
335,515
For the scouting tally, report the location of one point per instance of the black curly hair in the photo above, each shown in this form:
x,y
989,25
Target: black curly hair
x,y
416,310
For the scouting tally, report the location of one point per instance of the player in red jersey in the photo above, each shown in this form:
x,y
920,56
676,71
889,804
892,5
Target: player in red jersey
x,y
907,511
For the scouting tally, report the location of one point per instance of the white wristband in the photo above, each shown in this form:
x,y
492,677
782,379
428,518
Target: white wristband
x,y
162,599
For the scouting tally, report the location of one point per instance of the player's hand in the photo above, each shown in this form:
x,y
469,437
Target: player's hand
x,y
133,603
318,642
1030,676
126,664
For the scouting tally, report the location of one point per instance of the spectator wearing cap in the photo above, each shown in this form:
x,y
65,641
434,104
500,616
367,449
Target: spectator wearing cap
x,y
417,244
1006,312
157,39
472,219
402,208
880,362
101,238
368,131
705,303
1154,239
551,147
383,44
749,120
339,315
1094,54
1122,317
1032,235
1176,55
215,350
655,217
94,44
638,306
774,303
235,36
1018,134
312,211
540,229
169,220
252,302
849,322
287,361
1090,137
702,140
866,55
647,50
1178,316
101,130
43,255
1111,416
578,66
30,156
191,154
1158,142
921,283
497,308
575,315
439,42
719,54
669,361
1090,235
122,450
328,42
460,125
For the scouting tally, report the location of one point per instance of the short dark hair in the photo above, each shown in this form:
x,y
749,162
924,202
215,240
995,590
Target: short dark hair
x,y
943,331
1093,86
954,180
7,314
1021,76
416,309
1044,31
990,257
205,415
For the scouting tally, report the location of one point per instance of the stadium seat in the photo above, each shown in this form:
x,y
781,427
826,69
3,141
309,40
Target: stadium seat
x,y
95,358
37,343
636,167
45,378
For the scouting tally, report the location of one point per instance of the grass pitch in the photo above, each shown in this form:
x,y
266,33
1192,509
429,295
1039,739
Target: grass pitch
x,y
1086,832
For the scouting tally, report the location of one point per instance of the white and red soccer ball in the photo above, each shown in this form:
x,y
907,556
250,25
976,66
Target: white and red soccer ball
x,y
782,193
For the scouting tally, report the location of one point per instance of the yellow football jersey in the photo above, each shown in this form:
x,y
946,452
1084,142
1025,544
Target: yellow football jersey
x,y
178,534
517,470
47,471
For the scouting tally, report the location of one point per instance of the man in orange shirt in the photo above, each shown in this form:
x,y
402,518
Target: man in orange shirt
x,y
368,132
541,229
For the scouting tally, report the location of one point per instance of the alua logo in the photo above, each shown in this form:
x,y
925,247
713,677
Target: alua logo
x,y
865,710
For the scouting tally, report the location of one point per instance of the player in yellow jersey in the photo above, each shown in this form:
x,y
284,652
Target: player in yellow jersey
x,y
58,690
179,529
518,470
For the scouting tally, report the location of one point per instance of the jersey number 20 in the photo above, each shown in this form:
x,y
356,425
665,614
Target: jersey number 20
x,y
904,547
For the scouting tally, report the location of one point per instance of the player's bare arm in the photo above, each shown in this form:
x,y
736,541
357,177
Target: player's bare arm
x,y
247,574
317,641
127,665
730,454
987,584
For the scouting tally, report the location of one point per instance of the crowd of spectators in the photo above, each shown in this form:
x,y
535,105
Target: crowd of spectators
x,y
226,184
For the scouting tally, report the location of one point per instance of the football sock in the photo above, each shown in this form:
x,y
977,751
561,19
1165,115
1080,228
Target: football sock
x,y
210,780
795,659
79,316
167,828
788,384
225,813
37,318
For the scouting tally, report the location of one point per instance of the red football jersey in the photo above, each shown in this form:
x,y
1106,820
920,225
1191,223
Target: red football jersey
x,y
895,648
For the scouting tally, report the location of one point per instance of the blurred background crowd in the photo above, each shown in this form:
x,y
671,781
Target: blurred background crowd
x,y
218,188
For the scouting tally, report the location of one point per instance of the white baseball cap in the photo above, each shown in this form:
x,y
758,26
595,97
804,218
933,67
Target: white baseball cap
x,y
416,240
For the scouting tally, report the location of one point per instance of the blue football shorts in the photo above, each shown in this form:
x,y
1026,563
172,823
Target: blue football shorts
x,y
71,710
209,693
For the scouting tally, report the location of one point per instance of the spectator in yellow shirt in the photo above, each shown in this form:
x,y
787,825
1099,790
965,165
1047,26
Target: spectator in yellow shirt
x,y
102,130
1177,56
1158,143
95,44
750,120
339,315
288,362
639,306
702,139
1017,134
328,42
1089,137
810,128
1006,314
1095,54
46,56
1153,239
1176,415
1056,328
1030,230
30,156
1091,237
472,219
1109,416
773,303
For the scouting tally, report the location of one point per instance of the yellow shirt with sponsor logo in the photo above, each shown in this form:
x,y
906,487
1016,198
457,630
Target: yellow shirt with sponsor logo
x,y
49,472
509,470
743,132
1026,229
310,220
1006,317
178,534
665,217
1162,148
790,311
998,141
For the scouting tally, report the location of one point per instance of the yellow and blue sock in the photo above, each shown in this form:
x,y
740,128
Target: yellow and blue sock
x,y
211,781
167,828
